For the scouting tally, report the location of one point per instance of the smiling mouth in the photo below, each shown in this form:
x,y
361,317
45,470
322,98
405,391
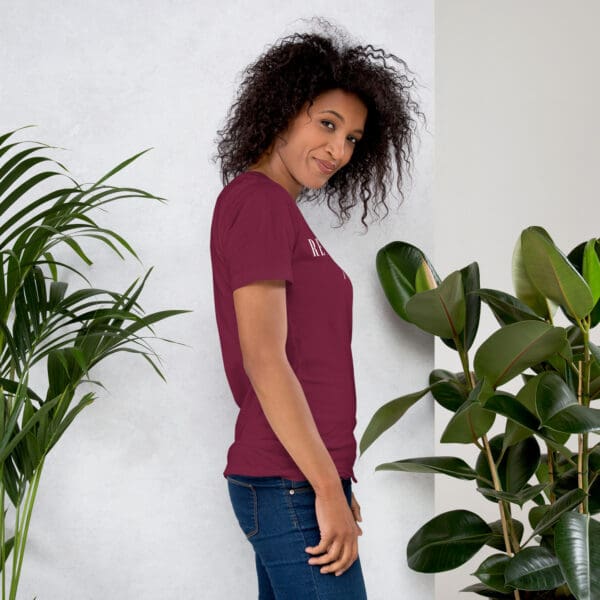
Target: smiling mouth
x,y
325,167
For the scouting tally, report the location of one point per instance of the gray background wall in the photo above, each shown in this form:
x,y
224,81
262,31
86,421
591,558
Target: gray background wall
x,y
517,144
132,503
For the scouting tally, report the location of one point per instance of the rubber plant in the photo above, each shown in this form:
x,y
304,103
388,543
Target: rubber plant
x,y
547,458
42,325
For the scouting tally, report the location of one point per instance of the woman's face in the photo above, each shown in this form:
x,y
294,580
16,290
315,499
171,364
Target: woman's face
x,y
317,143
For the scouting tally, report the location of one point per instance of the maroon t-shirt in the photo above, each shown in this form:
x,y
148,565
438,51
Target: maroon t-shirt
x,y
258,232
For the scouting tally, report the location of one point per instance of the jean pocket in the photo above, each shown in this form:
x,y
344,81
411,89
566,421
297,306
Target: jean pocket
x,y
302,489
245,505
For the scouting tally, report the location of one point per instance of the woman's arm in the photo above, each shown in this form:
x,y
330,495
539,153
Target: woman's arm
x,y
262,327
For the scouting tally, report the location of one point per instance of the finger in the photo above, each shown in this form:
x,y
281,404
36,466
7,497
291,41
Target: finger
x,y
331,555
320,547
356,508
343,563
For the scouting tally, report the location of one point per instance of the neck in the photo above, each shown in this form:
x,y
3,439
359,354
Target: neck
x,y
270,164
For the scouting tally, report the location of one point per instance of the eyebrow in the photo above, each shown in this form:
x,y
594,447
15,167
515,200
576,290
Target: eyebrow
x,y
337,114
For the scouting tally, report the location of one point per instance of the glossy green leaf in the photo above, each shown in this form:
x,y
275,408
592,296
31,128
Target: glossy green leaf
x,y
527,396
491,572
552,396
450,391
515,467
483,590
471,420
553,275
516,347
553,514
506,308
591,267
525,289
577,543
525,495
424,278
508,406
497,538
386,416
470,284
446,465
559,410
397,265
575,419
440,311
576,258
447,541
534,569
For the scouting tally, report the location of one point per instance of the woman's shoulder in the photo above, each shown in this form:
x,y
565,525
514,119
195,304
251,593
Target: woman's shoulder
x,y
256,188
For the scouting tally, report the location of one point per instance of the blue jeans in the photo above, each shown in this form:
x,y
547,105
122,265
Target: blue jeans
x,y
278,517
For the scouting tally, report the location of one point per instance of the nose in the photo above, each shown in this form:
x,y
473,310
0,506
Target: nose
x,y
336,147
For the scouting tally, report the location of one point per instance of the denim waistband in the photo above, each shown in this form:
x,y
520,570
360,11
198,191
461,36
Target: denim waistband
x,y
277,481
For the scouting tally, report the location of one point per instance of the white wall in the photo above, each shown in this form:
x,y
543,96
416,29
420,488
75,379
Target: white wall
x,y
132,503
517,144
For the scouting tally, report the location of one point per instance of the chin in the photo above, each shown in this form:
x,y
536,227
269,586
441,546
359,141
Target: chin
x,y
316,183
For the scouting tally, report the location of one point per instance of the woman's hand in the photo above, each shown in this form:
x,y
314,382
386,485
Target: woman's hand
x,y
355,506
339,533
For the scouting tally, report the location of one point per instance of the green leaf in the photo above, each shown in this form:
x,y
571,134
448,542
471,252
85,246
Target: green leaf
x,y
508,406
491,572
450,391
525,290
397,265
575,419
8,443
576,259
424,278
471,420
470,284
552,396
516,347
553,275
525,495
591,268
559,410
440,311
488,592
527,396
8,546
506,308
577,543
564,504
534,569
447,465
447,541
515,467
387,415
497,539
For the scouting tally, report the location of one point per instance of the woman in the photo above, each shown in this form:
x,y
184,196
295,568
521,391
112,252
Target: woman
x,y
315,118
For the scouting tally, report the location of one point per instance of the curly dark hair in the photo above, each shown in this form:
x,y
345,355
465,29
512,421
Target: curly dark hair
x,y
296,70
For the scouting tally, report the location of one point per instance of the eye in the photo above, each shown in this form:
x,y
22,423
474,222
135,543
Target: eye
x,y
327,124
352,140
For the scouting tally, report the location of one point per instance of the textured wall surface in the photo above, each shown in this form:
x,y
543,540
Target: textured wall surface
x,y
132,503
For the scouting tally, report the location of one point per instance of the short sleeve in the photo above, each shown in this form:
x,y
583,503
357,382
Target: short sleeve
x,y
258,237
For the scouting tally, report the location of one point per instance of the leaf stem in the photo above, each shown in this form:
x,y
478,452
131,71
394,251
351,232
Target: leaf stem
x,y
506,529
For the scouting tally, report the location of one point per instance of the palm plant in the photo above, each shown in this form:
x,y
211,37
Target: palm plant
x,y
560,371
40,324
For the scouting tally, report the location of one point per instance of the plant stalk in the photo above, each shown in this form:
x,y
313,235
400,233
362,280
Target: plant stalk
x,y
22,529
551,494
506,530
584,399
